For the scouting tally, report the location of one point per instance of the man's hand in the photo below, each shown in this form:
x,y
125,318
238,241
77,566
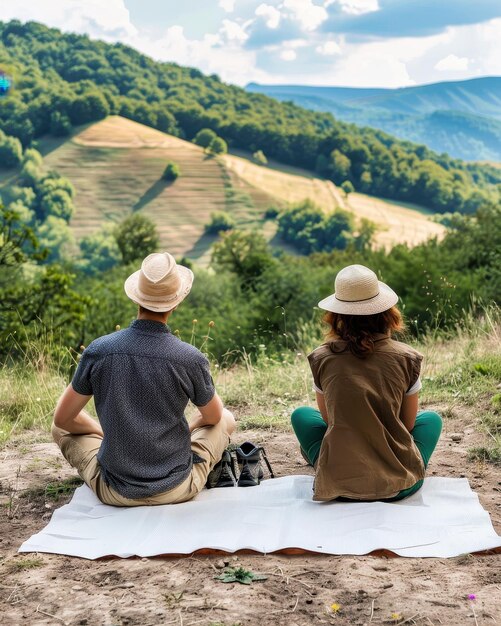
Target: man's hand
x,y
70,416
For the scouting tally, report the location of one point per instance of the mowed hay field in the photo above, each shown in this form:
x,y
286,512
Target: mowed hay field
x,y
116,167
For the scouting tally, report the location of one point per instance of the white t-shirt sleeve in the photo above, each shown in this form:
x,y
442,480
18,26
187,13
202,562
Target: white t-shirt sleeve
x,y
317,389
415,387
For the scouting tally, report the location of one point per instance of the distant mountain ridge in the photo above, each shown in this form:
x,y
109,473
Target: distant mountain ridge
x,y
462,118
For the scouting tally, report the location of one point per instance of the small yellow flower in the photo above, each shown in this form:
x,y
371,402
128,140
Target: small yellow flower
x,y
335,608
212,324
396,616
194,322
117,327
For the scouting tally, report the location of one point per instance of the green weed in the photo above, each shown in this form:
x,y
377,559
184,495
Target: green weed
x,y
19,565
490,454
54,491
240,575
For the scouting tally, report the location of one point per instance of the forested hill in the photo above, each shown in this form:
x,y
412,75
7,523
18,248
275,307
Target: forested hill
x,y
462,118
66,79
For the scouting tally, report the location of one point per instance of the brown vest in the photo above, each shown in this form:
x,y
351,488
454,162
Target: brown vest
x,y
367,453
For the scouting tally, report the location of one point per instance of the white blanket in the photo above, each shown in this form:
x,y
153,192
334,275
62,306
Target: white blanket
x,y
443,519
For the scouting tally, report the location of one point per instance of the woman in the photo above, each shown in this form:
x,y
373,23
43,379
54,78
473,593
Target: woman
x,y
367,440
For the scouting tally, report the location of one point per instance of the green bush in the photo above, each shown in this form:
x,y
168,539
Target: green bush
x,y
259,157
310,229
171,172
217,146
204,137
347,187
136,237
11,151
271,213
220,222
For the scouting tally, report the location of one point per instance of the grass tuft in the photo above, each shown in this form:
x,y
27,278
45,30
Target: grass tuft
x,y
19,565
491,454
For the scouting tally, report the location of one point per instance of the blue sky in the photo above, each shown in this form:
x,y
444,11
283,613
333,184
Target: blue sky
x,y
385,43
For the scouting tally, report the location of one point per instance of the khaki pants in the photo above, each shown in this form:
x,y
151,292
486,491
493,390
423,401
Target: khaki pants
x,y
81,451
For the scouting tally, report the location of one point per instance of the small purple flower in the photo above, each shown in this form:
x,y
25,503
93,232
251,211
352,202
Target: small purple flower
x,y
472,596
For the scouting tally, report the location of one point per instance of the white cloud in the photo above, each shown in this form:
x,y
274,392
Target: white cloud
x,y
460,52
288,55
355,7
452,63
232,31
220,53
309,15
270,14
328,48
106,20
227,5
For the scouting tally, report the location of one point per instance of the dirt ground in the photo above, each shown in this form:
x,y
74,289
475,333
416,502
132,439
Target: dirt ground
x,y
300,590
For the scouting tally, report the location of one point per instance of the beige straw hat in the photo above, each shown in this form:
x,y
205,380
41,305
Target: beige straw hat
x,y
359,292
160,284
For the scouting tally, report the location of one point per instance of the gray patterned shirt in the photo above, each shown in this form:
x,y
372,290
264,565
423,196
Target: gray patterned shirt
x,y
142,379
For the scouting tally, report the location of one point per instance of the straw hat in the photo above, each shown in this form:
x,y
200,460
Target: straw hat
x,y
160,284
359,292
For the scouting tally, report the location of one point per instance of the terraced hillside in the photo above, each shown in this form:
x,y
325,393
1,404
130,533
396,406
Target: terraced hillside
x,y
116,167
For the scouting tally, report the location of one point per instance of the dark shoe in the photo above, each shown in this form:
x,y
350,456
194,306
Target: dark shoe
x,y
223,473
249,464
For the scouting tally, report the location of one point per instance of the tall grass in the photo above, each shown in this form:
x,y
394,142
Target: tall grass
x,y
31,384
462,371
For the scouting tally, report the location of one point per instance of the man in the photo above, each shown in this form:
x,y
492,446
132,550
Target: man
x,y
143,451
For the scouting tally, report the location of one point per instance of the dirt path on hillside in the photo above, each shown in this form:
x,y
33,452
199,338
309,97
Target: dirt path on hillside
x,y
182,591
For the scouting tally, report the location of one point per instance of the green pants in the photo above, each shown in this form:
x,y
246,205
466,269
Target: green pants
x,y
310,430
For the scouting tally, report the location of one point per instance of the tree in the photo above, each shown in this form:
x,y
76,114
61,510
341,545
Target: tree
x,y
57,203
171,172
11,151
220,222
218,146
60,125
347,187
16,238
259,157
55,235
309,229
100,251
136,237
245,253
365,235
271,213
339,167
89,107
204,137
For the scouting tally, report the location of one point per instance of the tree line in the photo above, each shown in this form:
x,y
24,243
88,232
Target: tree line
x,y
65,80
259,299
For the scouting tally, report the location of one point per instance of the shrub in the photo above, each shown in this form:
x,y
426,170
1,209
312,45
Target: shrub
x,y
218,146
220,222
136,237
11,151
60,125
259,157
347,187
271,213
171,172
204,137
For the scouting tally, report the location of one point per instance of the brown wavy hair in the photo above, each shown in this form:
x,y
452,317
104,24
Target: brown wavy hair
x,y
359,330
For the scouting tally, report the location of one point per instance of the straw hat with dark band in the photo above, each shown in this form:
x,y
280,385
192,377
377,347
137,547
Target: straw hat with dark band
x,y
359,292
161,284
